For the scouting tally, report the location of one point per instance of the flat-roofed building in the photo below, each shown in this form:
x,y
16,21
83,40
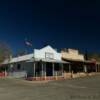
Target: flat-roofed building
x,y
72,54
78,64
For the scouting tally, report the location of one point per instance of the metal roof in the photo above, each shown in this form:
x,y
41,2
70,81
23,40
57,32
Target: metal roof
x,y
19,59
48,60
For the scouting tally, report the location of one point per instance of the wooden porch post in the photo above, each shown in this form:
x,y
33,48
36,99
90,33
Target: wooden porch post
x,y
42,69
34,69
5,73
85,68
70,71
62,69
11,69
45,70
96,68
53,68
69,68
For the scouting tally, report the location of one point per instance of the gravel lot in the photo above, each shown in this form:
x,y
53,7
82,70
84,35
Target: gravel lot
x,y
87,88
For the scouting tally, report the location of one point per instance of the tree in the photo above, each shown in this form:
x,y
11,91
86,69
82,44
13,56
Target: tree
x,y
5,51
95,56
86,55
20,52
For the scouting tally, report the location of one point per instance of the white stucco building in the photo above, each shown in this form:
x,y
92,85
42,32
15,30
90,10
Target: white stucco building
x,y
42,62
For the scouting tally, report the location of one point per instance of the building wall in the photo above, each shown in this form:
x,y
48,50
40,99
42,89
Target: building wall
x,y
25,69
72,54
41,54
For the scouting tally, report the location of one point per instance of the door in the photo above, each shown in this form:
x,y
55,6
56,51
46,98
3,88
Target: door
x,y
49,71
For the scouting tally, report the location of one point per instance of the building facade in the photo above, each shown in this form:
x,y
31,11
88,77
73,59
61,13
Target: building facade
x,y
72,54
47,63
79,66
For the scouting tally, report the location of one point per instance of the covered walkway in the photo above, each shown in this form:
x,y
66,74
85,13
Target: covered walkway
x,y
48,69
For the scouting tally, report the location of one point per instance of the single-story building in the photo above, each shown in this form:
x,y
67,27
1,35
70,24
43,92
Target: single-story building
x,y
78,64
45,62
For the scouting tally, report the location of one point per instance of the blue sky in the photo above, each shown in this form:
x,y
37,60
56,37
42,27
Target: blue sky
x,y
60,23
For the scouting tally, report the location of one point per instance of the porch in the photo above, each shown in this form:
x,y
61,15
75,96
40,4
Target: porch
x,y
47,69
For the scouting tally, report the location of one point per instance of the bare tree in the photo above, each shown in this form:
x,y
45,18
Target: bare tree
x,y
20,52
95,56
5,51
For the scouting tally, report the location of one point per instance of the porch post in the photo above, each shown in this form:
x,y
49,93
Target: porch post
x,y
11,69
42,70
69,68
85,68
70,71
96,68
45,70
62,68
5,72
53,68
99,68
34,69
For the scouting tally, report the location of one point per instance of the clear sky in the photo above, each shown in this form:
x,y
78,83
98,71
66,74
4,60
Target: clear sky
x,y
60,23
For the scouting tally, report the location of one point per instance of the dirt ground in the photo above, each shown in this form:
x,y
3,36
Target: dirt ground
x,y
87,88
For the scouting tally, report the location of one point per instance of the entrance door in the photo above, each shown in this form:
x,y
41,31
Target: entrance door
x,y
49,71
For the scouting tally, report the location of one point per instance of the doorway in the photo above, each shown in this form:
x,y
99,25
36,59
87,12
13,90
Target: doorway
x,y
49,71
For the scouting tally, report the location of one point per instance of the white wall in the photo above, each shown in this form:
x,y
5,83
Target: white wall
x,y
40,53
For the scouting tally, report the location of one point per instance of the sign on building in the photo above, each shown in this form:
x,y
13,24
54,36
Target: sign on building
x,y
49,55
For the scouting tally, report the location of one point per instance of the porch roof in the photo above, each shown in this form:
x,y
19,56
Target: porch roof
x,y
73,60
79,61
48,60
18,59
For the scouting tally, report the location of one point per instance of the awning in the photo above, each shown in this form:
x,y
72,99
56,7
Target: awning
x,y
48,60
79,61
